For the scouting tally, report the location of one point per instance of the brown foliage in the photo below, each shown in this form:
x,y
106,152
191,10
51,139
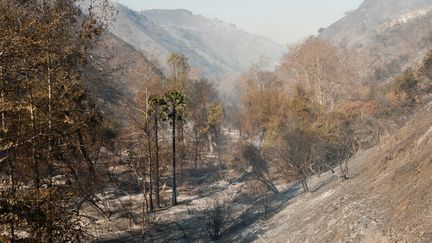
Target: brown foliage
x,y
321,68
52,125
262,103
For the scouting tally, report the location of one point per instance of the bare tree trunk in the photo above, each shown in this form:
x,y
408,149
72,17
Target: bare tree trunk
x,y
2,100
304,180
272,187
145,202
157,161
150,171
143,215
174,185
50,127
196,144
12,186
50,141
143,223
219,155
130,208
346,168
181,146
34,161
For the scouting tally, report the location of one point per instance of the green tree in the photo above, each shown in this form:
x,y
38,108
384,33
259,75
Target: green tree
x,y
176,103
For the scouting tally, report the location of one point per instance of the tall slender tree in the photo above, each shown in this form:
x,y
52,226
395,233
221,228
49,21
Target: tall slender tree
x,y
176,103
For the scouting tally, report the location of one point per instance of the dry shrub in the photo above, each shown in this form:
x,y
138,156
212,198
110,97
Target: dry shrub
x,y
404,90
253,163
214,216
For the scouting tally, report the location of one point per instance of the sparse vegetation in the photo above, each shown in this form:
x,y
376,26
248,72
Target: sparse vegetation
x,y
164,162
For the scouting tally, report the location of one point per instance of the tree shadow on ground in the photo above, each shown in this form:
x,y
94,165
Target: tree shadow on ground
x,y
190,228
184,230
257,211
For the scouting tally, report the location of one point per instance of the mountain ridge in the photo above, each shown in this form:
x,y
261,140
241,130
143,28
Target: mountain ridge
x,y
157,33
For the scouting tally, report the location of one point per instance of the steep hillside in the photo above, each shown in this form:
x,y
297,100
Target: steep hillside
x,y
390,33
216,48
369,15
117,73
396,44
387,198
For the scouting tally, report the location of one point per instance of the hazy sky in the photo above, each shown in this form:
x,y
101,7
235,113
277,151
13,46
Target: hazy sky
x,y
285,21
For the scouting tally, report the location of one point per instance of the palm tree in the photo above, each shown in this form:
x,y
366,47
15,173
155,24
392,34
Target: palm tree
x,y
176,104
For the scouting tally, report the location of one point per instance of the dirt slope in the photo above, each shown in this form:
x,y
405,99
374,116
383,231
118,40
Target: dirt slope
x,y
388,198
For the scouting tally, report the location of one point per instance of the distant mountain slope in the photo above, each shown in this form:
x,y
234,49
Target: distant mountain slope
x,y
216,48
385,35
116,73
369,15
